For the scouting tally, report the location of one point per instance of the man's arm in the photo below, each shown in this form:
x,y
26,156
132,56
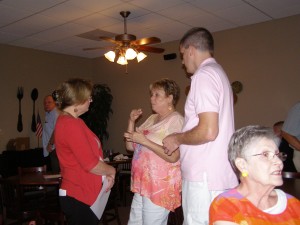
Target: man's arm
x,y
292,140
206,130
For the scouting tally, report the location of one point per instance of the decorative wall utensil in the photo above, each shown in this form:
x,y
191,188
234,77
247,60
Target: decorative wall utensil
x,y
34,96
20,94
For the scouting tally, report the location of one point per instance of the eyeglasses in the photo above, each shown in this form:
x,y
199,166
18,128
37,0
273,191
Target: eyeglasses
x,y
270,155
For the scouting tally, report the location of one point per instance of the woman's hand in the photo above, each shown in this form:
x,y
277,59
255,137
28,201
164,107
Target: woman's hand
x,y
111,182
135,114
136,136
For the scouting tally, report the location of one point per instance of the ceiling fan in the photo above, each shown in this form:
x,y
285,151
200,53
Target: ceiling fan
x,y
127,47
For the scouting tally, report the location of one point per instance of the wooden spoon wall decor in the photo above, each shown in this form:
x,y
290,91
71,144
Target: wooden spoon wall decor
x,y
20,94
34,96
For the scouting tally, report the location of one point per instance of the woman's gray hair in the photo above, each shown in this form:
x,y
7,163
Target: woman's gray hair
x,y
243,138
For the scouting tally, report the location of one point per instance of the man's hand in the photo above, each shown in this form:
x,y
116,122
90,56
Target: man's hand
x,y
49,147
170,143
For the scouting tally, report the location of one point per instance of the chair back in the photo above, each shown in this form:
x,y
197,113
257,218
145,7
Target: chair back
x,y
291,175
291,183
13,206
36,169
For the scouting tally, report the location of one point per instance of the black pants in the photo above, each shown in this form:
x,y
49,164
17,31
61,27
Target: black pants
x,y
76,212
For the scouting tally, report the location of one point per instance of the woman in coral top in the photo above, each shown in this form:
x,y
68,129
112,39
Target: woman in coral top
x,y
155,176
254,155
80,155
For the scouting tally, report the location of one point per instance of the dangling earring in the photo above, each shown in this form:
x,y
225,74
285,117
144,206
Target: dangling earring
x,y
75,110
244,174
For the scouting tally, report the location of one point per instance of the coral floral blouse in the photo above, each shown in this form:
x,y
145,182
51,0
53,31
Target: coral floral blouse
x,y
153,177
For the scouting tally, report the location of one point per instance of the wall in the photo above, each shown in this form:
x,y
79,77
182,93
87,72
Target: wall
x,y
264,57
31,69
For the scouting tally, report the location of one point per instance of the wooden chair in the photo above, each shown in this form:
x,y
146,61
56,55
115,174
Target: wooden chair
x,y
13,206
31,191
291,183
291,175
51,210
37,169
111,211
124,181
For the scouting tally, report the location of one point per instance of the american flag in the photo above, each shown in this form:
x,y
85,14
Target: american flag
x,y
39,127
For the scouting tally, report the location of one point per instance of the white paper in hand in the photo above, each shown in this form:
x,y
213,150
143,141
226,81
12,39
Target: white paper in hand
x,y
100,203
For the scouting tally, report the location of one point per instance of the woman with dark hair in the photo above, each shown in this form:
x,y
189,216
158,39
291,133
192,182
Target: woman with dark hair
x,y
80,154
155,176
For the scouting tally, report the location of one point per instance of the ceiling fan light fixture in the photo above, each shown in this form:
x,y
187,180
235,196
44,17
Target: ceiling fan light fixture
x,y
122,60
140,56
111,55
130,54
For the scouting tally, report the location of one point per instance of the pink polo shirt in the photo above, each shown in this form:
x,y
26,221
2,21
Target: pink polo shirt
x,y
210,92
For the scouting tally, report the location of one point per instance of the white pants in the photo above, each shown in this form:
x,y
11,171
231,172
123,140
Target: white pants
x,y
144,212
196,199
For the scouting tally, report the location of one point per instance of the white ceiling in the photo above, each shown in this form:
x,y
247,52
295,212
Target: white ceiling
x,y
54,25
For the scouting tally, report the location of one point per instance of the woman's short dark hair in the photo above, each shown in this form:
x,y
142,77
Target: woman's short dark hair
x,y
169,86
200,38
243,138
74,91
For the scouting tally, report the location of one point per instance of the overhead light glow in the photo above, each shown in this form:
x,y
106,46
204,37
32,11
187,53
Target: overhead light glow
x,y
110,56
140,56
122,60
130,54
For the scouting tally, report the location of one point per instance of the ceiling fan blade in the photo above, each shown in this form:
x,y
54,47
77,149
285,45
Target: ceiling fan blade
x,y
95,48
147,41
149,49
109,39
87,49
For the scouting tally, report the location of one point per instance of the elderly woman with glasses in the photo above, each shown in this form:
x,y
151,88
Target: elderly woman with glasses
x,y
254,155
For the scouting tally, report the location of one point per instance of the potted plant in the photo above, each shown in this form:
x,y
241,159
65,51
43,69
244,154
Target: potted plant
x,y
99,112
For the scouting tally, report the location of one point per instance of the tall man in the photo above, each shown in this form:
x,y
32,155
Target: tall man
x,y
291,132
51,115
209,124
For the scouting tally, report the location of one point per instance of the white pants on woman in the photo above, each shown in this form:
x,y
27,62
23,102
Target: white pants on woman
x,y
144,212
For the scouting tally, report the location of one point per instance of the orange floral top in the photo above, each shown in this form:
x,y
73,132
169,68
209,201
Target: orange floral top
x,y
153,177
233,207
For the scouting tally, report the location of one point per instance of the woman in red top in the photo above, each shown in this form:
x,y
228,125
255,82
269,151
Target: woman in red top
x,y
80,154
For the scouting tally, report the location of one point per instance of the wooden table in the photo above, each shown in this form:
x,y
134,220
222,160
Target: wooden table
x,y
37,179
291,186
116,163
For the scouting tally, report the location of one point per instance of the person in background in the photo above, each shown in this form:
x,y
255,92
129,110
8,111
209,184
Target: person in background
x,y
209,124
80,155
155,176
49,152
288,164
254,155
291,132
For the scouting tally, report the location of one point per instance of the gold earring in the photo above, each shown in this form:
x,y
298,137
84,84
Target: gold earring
x,y
170,107
244,174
